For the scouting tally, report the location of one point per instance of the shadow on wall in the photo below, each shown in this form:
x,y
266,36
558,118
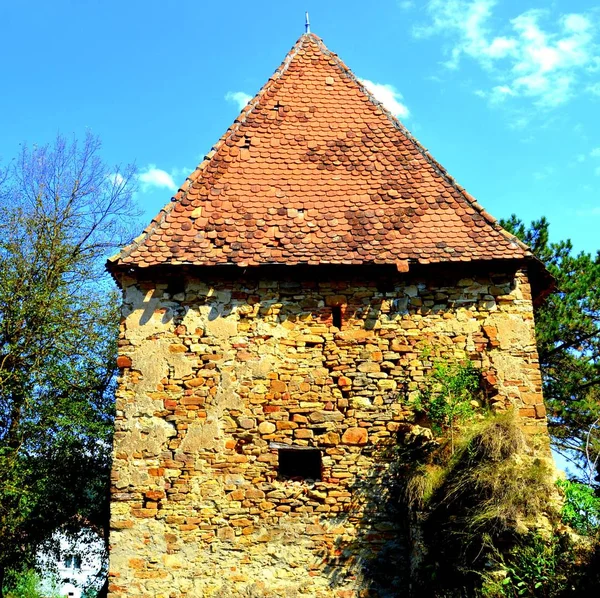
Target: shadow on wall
x,y
377,559
174,307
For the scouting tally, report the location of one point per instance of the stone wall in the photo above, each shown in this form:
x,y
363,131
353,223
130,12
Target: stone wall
x,y
218,377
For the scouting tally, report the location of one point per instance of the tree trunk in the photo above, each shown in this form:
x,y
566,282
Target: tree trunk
x,y
103,593
13,440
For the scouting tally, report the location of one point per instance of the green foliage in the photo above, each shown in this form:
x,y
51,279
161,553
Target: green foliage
x,y
568,340
536,566
448,396
26,584
474,501
493,484
486,518
489,525
581,508
61,210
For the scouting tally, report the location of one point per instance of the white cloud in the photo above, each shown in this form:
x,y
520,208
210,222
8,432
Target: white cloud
x,y
593,155
152,177
389,96
499,93
238,97
406,4
594,65
528,56
182,173
116,179
466,20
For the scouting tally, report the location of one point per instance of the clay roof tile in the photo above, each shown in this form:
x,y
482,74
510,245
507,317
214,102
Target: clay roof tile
x,y
315,170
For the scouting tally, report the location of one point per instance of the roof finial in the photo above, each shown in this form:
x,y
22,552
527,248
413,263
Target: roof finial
x,y
307,24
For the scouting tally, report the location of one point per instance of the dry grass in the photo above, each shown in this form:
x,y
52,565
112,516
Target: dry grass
x,y
482,497
497,480
422,484
493,483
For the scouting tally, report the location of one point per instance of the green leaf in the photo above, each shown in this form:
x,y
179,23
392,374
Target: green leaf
x,y
61,210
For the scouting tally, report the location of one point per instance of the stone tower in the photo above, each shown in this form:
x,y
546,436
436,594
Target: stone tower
x,y
276,314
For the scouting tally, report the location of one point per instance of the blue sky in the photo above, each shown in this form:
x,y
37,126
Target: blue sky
x,y
505,94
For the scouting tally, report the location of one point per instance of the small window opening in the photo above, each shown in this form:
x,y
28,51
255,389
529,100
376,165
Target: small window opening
x,y
73,561
300,464
336,312
176,286
277,106
385,286
247,142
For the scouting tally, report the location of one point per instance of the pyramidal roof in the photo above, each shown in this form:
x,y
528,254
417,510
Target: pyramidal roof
x,y
316,171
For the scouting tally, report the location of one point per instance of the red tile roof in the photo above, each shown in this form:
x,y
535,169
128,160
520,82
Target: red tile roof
x,y
316,171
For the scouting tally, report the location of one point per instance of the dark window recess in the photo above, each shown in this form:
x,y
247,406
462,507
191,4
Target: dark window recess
x,y
300,463
73,561
386,286
336,313
175,286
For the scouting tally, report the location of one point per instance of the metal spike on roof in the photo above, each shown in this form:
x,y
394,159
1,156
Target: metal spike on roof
x,y
307,23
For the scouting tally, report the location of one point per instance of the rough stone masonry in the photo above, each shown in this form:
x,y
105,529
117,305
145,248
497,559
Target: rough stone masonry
x,y
279,316
220,375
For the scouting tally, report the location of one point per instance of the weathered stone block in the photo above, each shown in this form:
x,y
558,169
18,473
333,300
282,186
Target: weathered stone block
x,y
267,427
124,361
355,436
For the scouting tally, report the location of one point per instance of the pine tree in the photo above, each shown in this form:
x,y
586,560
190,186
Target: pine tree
x,y
568,338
